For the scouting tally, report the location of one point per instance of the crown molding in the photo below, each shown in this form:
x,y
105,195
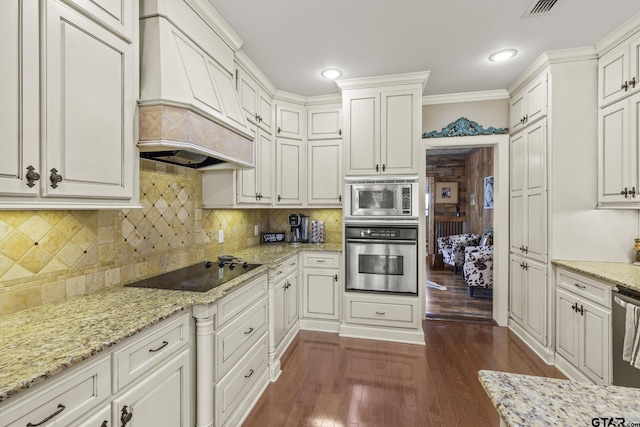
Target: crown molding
x,y
323,99
281,95
452,98
247,64
377,81
618,35
210,15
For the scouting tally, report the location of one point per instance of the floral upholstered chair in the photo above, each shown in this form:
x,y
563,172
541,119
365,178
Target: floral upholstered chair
x,y
452,248
478,267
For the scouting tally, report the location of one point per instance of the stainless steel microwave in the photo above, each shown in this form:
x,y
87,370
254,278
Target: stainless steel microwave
x,y
381,199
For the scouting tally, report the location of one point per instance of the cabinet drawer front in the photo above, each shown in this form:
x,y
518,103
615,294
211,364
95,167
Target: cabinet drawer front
x,y
149,350
321,260
230,391
597,292
240,299
291,264
70,397
382,314
233,341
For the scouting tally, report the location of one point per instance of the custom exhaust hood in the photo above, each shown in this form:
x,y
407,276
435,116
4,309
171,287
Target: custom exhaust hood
x,y
189,111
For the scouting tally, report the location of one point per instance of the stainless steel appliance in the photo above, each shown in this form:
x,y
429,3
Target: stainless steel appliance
x,y
299,228
390,199
200,277
623,373
382,258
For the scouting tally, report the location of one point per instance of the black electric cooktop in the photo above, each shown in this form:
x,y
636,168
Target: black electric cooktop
x,y
200,277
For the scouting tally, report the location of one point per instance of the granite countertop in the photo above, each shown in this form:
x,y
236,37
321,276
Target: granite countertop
x,y
616,273
38,343
523,400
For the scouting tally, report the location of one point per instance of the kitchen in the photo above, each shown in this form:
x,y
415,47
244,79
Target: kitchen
x,y
54,254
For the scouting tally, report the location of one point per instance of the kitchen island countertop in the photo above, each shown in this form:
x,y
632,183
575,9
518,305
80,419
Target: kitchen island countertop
x,y
38,343
615,273
524,400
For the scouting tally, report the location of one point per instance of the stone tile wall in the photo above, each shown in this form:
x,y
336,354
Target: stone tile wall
x,y
46,256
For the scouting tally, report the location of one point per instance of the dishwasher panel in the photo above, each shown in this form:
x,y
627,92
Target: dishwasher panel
x,y
623,373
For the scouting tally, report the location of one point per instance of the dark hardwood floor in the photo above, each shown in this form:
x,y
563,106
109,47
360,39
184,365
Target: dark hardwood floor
x,y
346,382
455,302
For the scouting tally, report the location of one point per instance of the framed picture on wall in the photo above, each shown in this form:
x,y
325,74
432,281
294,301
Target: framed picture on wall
x,y
488,192
446,192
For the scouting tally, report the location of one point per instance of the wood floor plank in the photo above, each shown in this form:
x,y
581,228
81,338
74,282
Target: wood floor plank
x,y
346,382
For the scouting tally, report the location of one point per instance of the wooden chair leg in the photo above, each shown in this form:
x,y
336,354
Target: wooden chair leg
x,y
471,288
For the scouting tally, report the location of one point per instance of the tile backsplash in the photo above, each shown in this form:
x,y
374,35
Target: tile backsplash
x,y
46,256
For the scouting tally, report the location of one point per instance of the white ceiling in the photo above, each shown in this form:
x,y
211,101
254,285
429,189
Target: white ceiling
x,y
291,41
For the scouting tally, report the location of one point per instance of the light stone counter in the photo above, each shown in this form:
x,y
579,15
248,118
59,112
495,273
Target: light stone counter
x,y
523,400
615,273
38,343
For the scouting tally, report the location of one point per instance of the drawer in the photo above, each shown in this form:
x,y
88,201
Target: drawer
x,y
238,336
231,390
151,348
63,400
321,260
241,298
396,314
590,289
283,268
291,264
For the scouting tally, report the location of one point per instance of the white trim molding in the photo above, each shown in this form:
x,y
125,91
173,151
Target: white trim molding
x,y
453,98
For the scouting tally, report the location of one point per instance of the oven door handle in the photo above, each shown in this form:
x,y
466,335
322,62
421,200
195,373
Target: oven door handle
x,y
384,242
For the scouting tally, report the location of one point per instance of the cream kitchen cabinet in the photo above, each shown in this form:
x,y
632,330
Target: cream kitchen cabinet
x,y
290,120
583,327
528,297
255,186
618,151
256,103
324,123
321,291
529,192
324,173
87,151
381,131
529,104
289,174
619,71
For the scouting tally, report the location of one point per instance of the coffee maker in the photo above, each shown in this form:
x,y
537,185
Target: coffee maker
x,y
299,228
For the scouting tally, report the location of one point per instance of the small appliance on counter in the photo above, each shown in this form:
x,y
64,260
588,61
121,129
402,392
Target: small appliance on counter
x,y
299,228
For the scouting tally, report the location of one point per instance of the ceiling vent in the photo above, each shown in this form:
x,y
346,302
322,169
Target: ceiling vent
x,y
539,8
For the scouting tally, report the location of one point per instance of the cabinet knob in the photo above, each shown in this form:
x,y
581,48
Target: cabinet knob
x,y
126,416
625,86
384,167
279,130
624,192
339,198
279,198
574,306
580,310
633,82
340,132
335,278
632,192
377,168
55,178
32,176
105,423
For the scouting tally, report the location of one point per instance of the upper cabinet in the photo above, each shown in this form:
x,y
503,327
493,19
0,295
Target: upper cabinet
x,y
289,120
72,146
529,104
382,124
324,123
256,103
324,173
619,72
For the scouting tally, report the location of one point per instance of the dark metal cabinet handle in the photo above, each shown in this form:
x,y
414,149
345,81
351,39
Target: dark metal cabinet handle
x,y
126,416
633,82
32,176
526,118
61,408
580,310
384,167
633,192
248,331
55,178
279,130
340,132
380,313
251,371
335,278
377,168
580,286
526,249
625,86
279,198
105,423
340,198
164,344
624,192
574,307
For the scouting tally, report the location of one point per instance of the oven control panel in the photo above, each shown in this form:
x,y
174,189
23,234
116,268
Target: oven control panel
x,y
406,200
382,233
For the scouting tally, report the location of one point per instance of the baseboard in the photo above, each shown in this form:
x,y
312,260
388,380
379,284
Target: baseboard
x,y
274,370
571,371
332,326
382,334
545,353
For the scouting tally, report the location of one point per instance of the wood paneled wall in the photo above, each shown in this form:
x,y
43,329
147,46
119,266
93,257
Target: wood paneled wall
x,y
479,164
449,168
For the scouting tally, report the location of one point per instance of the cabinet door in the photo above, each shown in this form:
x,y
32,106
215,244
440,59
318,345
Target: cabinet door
x,y
535,192
247,182
89,108
101,418
264,172
634,64
324,164
248,93
595,324
516,290
400,125
517,197
536,300
161,399
566,326
320,294
277,312
289,176
614,156
289,121
536,99
19,96
516,112
324,123
362,134
292,300
265,111
613,68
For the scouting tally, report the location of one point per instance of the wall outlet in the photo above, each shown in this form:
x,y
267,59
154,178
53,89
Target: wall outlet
x,y
255,230
220,236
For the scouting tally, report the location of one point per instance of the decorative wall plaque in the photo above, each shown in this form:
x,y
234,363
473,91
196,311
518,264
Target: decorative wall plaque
x,y
464,127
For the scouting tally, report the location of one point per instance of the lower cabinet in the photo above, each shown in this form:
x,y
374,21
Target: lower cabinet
x,y
528,298
583,327
321,291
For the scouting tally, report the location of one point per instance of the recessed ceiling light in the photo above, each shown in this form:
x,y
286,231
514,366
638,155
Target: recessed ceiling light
x,y
503,55
331,73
